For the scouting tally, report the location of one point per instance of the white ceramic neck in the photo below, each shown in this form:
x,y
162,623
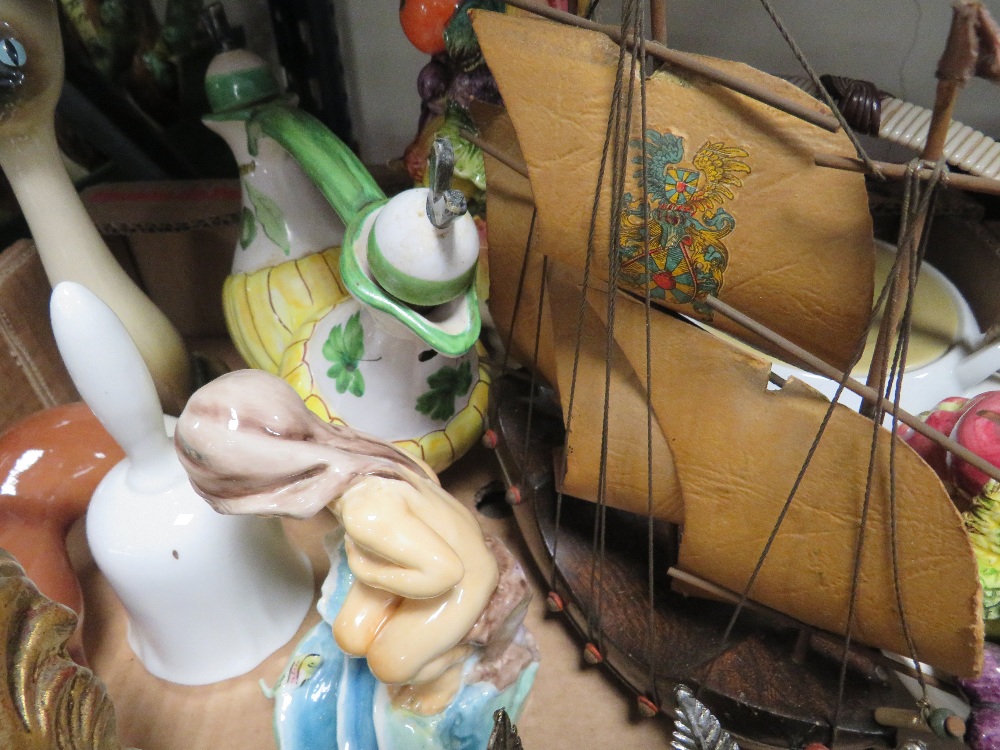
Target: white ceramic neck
x,y
72,250
310,222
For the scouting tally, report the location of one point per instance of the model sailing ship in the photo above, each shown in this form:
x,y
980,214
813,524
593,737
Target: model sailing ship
x,y
709,200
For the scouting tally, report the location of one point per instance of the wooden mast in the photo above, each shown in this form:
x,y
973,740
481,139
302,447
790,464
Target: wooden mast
x,y
958,63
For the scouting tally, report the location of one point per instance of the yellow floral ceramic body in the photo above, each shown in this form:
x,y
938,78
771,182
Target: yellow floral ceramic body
x,y
264,308
429,405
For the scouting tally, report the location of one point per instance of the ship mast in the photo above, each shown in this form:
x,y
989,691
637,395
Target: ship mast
x,y
958,63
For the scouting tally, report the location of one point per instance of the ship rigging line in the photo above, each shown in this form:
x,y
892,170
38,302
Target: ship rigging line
x,y
619,132
871,166
690,63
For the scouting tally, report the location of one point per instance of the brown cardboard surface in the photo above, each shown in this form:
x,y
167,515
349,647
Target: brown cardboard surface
x,y
571,705
179,236
32,376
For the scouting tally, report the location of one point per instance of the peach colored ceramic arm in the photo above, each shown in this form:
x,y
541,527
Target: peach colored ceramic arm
x,y
363,613
411,641
392,549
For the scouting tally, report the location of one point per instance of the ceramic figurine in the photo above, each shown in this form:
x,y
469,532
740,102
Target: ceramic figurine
x,y
399,359
454,77
50,702
286,268
50,464
208,596
31,73
435,608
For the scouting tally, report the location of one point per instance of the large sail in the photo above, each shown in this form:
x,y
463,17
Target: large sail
x,y
738,447
738,208
524,319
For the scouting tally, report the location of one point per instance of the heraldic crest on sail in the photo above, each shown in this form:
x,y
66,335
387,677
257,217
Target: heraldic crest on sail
x,y
687,258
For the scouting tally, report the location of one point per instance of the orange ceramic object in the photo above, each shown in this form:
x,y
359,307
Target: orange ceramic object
x,y
50,464
424,21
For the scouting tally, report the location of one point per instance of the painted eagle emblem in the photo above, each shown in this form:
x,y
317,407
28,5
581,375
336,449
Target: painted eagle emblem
x,y
687,258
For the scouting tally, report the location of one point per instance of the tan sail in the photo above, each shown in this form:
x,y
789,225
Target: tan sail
x,y
738,448
769,232
510,208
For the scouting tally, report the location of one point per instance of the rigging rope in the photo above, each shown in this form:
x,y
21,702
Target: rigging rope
x,y
588,262
632,18
823,93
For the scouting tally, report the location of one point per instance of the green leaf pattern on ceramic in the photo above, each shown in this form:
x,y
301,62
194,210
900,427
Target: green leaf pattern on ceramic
x,y
446,384
270,216
344,348
248,228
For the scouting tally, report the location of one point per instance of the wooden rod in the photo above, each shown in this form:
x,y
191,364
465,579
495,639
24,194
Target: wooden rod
x,y
488,148
945,97
691,64
869,394
972,183
899,292
658,20
985,185
728,596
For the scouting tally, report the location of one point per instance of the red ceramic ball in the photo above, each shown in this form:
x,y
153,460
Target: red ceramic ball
x,y
424,21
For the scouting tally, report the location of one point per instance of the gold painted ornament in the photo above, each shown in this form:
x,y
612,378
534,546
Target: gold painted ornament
x,y
47,701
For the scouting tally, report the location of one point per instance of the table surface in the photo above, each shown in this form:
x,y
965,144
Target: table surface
x,y
572,705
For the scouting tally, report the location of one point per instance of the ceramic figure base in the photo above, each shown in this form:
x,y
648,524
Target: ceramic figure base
x,y
327,699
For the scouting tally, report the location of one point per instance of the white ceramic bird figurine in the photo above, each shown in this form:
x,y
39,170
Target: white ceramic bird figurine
x,y
31,76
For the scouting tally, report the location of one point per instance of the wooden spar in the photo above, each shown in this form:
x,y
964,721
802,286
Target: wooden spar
x,y
487,148
787,346
658,20
728,596
870,394
971,183
944,104
690,63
